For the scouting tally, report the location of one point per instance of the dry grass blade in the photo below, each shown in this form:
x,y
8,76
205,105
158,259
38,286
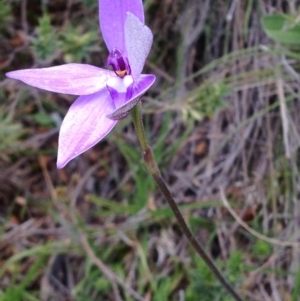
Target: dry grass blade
x,y
252,231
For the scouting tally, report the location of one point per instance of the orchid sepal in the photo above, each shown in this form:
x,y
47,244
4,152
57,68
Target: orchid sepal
x,y
84,125
112,16
74,79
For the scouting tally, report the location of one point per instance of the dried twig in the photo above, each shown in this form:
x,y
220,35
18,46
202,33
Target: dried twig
x,y
249,229
284,118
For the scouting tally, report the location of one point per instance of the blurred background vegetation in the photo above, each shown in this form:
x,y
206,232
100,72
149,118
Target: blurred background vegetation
x,y
223,120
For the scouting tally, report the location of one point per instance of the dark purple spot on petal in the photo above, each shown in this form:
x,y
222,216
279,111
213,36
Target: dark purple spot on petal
x,y
119,63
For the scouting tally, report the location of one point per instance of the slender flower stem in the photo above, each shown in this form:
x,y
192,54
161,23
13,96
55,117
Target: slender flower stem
x,y
155,173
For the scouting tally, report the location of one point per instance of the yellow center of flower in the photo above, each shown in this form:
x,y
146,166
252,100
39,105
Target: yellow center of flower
x,y
121,73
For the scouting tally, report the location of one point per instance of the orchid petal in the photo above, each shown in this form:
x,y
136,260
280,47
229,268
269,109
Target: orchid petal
x,y
138,40
112,15
75,79
84,125
123,102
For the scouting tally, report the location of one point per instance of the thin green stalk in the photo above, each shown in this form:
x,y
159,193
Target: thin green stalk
x,y
155,173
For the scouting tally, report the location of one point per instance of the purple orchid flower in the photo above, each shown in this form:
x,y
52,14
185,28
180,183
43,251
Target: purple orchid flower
x,y
104,96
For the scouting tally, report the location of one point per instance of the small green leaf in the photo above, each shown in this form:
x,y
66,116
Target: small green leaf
x,y
77,44
282,28
43,119
46,42
262,249
5,13
10,132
